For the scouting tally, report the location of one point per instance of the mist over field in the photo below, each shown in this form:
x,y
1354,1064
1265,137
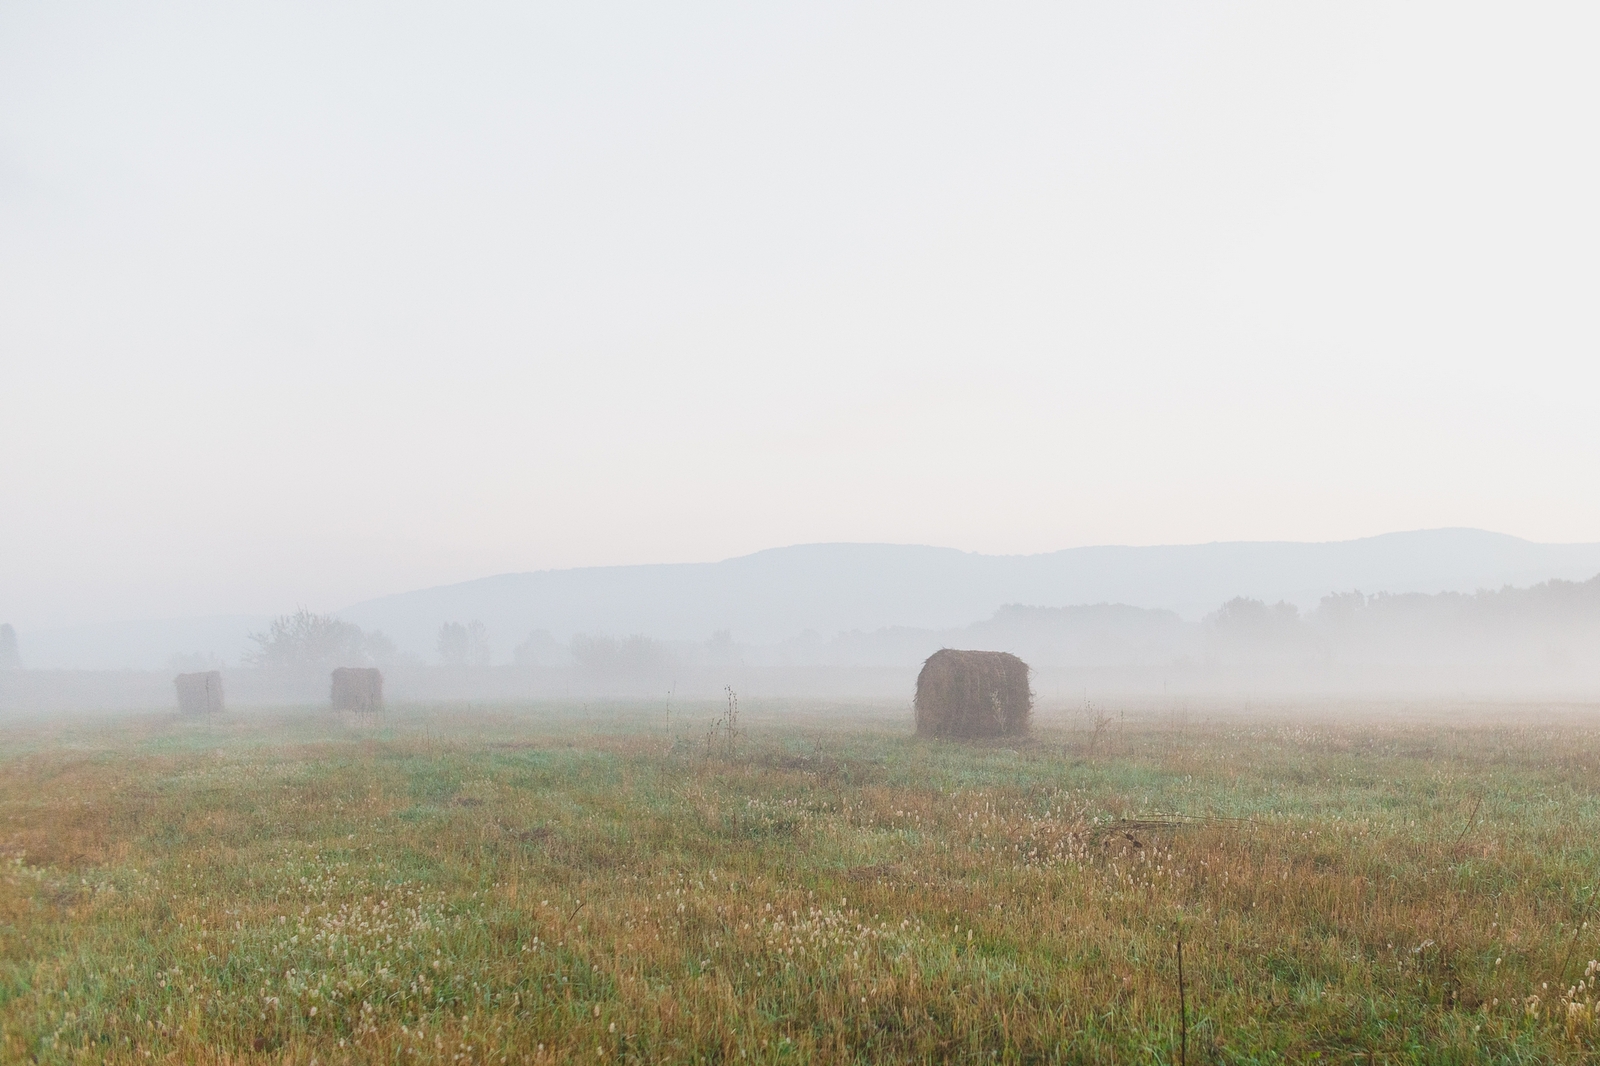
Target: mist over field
x,y
839,532
1447,613
626,350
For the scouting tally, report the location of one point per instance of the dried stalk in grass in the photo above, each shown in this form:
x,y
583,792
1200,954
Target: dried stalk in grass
x,y
1126,827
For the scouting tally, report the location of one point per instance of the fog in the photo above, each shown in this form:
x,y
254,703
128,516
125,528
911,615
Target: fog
x,y
1211,350
858,621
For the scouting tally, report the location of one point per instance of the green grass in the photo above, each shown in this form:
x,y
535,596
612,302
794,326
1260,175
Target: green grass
x,y
569,883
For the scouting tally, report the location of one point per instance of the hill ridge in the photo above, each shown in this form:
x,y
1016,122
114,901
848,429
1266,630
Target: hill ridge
x,y
829,587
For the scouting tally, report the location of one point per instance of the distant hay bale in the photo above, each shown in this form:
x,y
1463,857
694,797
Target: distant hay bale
x,y
199,693
357,689
973,694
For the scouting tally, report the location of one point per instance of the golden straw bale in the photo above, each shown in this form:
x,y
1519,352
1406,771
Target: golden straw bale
x,y
973,694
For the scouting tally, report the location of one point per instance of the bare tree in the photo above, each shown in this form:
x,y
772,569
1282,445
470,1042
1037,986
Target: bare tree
x,y
635,658
464,645
304,640
540,649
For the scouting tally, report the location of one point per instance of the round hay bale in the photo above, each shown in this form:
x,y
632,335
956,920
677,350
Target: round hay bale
x,y
199,693
357,689
973,694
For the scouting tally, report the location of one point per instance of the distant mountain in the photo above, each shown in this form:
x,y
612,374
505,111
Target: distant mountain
x,y
830,589
827,589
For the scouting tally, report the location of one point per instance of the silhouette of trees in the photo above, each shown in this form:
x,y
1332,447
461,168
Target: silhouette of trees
x,y
464,645
304,640
541,649
635,658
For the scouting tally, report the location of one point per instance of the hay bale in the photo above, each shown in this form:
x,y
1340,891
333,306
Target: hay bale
x,y
973,694
199,693
357,689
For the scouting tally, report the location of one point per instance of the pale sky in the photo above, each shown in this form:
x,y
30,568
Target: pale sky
x,y
302,303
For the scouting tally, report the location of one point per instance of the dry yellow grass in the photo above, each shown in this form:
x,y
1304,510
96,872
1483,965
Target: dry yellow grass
x,y
555,884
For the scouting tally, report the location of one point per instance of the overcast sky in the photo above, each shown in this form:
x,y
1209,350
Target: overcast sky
x,y
308,302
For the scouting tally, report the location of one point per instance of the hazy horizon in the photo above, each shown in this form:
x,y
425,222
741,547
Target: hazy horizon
x,y
825,607
310,305
1305,597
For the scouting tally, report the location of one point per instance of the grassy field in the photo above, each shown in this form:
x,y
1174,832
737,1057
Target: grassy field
x,y
566,883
